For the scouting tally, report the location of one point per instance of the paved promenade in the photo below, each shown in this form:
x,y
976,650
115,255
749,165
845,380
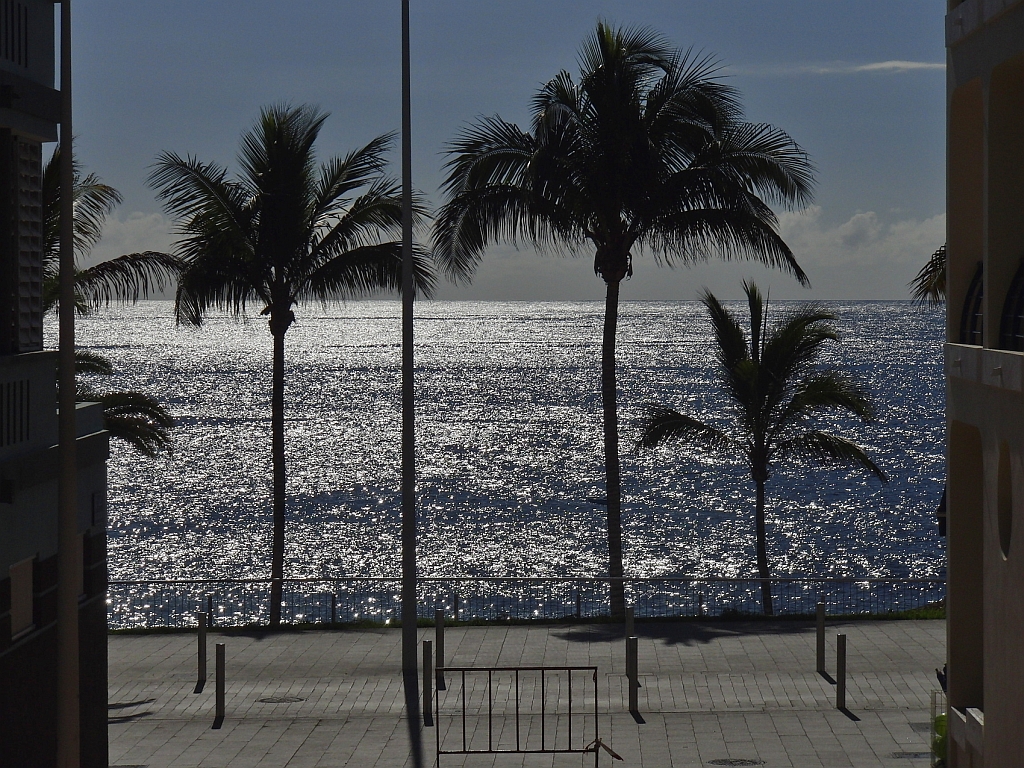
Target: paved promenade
x,y
717,693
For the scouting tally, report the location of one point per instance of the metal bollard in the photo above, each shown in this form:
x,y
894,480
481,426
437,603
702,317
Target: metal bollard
x,y
209,611
629,621
219,718
334,609
439,646
428,672
201,652
840,671
820,615
632,673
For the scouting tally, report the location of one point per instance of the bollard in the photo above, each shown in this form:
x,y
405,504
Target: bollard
x,y
820,615
201,652
629,622
219,719
840,671
209,611
632,673
439,646
428,672
334,609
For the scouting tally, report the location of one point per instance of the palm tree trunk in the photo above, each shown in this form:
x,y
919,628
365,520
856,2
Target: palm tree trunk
x,y
762,552
277,452
609,401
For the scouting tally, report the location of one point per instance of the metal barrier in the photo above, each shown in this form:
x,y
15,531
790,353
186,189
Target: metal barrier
x,y
463,698
236,602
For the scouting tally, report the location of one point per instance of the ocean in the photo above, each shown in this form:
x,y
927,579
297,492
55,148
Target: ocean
x,y
508,445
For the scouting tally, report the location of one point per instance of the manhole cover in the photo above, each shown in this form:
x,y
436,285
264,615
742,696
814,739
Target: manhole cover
x,y
911,755
280,700
735,761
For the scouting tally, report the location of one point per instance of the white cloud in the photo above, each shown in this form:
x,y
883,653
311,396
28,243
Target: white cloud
x,y
896,66
132,233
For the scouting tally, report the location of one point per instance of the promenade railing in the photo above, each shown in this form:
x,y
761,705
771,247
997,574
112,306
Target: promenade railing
x,y
239,602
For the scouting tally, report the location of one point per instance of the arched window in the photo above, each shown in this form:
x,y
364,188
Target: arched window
x,y
1011,327
972,321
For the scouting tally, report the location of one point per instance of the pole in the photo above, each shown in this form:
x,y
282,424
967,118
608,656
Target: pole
x,y
219,718
69,566
201,653
841,672
632,673
439,651
427,673
629,621
409,661
820,615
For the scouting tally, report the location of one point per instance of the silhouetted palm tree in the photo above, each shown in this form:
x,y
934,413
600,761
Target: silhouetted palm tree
x,y
135,417
283,233
775,389
646,152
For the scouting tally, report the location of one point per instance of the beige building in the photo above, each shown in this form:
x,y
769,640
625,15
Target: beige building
x,y
985,381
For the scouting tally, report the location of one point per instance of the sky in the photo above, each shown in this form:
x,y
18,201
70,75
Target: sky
x,y
859,85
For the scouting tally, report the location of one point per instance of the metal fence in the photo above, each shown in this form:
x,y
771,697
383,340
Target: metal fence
x,y
238,602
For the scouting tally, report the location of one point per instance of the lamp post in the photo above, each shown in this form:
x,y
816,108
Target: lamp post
x,y
409,661
69,564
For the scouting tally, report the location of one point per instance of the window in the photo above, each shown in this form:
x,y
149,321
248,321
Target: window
x,y
1011,326
972,321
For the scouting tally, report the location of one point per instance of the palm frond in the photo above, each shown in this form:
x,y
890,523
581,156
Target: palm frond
x,y
89,362
127,278
366,270
663,425
829,449
134,417
929,285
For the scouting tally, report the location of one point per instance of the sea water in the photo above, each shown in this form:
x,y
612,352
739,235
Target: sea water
x,y
508,445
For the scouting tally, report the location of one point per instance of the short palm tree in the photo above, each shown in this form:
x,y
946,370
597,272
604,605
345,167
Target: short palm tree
x,y
775,388
646,152
134,417
285,232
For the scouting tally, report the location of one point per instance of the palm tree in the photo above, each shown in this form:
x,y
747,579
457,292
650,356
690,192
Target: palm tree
x,y
929,285
134,417
283,233
646,152
775,389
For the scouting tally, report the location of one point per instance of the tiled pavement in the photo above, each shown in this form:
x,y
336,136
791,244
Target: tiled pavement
x,y
710,693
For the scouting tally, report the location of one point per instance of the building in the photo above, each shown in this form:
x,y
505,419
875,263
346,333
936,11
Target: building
x,y
985,381
29,114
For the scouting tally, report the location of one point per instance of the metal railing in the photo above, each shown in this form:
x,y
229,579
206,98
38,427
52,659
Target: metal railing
x,y
238,602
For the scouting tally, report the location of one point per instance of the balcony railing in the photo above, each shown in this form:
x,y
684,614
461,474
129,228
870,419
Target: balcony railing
x,y
239,602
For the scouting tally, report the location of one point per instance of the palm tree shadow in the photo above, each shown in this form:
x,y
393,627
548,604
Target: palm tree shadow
x,y
684,632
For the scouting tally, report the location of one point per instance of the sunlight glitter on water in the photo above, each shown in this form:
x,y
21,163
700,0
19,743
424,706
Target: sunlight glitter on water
x,y
509,435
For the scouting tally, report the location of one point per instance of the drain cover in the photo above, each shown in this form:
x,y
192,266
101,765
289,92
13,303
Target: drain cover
x,y
911,755
735,761
280,700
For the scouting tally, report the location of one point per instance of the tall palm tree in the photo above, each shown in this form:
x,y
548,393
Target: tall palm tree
x,y
284,232
646,152
775,389
134,417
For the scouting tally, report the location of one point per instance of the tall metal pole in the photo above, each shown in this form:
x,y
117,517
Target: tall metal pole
x,y
69,563
409,661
